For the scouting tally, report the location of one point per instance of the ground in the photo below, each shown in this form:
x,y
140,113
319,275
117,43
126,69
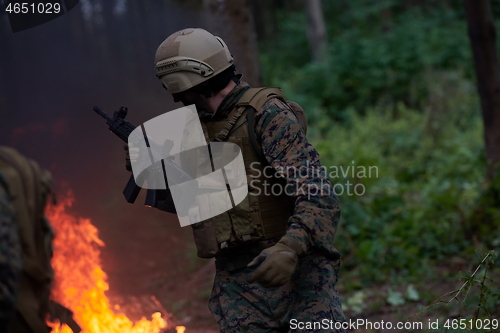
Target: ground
x,y
152,266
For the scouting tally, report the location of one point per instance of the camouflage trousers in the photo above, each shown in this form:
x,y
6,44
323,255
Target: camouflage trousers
x,y
309,297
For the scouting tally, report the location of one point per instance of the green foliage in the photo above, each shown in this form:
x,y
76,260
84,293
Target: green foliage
x,y
396,93
395,298
367,64
411,293
414,209
356,303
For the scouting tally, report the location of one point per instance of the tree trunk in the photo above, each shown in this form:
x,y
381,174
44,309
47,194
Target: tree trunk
x,y
482,36
266,19
232,20
316,30
386,16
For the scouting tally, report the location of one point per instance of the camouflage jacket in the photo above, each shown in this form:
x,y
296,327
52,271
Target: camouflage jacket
x,y
285,147
10,257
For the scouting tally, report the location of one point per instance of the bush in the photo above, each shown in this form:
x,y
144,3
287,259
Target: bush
x,y
402,99
416,206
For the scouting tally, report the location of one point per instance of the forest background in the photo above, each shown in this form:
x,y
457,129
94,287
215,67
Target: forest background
x,y
388,84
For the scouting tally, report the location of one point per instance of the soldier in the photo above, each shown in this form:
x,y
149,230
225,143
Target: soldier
x,y
26,274
276,263
10,256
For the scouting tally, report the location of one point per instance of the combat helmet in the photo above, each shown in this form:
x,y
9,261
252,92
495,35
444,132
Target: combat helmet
x,y
190,57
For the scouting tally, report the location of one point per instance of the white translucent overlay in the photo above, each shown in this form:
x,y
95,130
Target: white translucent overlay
x,y
205,179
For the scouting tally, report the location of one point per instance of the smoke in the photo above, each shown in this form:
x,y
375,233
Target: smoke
x,y
50,78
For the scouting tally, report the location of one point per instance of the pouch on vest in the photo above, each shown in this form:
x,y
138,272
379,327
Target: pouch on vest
x,y
204,238
204,232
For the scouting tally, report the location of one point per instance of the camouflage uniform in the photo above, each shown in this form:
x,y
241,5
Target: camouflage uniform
x,y
10,257
310,295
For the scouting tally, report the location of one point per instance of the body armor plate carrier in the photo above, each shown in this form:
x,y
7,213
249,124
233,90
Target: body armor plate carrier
x,y
260,215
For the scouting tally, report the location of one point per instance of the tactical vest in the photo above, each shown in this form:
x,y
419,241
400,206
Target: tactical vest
x,y
29,186
261,215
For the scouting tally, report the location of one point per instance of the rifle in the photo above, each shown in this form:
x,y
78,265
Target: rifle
x,y
63,315
122,128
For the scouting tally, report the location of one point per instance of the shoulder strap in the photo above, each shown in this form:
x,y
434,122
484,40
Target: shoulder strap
x,y
257,97
233,117
251,133
254,99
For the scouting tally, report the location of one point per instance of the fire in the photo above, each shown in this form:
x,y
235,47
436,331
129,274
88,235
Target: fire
x,y
80,282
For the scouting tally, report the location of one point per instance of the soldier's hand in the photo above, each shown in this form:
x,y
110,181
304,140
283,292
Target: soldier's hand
x,y
131,156
276,264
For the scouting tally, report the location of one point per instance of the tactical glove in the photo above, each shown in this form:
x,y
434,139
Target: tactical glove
x,y
276,264
131,156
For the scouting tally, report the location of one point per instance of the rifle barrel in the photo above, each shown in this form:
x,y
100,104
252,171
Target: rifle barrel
x,y
102,113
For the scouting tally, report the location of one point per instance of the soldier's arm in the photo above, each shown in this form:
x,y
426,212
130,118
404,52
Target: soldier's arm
x,y
285,146
10,258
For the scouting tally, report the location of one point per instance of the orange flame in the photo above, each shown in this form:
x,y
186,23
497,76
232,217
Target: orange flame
x,y
80,282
